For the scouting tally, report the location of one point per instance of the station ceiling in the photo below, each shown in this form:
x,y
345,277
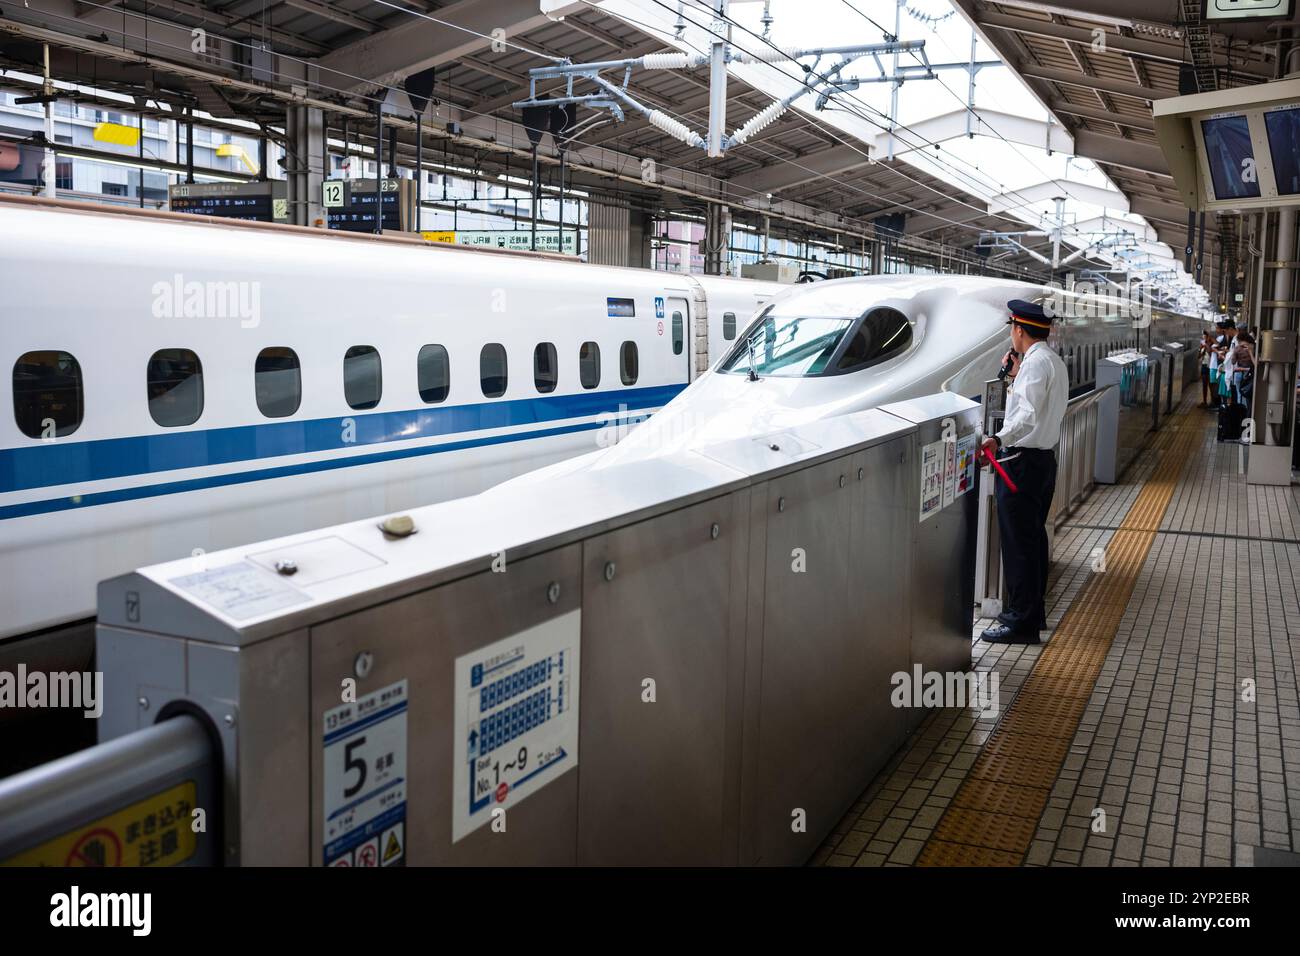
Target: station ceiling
x,y
263,56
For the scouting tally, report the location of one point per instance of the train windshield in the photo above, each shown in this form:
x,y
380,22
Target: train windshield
x,y
790,346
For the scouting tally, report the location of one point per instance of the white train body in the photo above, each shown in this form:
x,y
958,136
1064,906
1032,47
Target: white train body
x,y
951,336
120,490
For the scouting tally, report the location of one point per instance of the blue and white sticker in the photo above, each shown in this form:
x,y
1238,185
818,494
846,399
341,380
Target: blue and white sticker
x,y
365,780
516,723
659,307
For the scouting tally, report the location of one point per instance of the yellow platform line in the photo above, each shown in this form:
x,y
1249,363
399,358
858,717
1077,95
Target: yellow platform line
x,y
995,812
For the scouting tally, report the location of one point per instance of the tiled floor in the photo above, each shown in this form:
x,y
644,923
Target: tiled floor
x,y
1190,742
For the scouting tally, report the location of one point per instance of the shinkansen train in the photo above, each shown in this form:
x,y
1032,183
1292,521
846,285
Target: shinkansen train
x,y
841,346
181,385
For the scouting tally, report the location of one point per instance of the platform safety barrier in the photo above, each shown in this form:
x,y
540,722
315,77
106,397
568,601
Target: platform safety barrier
x,y
148,798
687,660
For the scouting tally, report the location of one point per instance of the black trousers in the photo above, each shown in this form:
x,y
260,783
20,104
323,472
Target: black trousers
x,y
1022,525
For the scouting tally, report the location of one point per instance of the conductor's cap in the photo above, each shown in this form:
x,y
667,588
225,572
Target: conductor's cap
x,y
1029,315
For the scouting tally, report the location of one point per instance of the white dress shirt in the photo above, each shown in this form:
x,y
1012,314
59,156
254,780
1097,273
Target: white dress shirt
x,y
1036,406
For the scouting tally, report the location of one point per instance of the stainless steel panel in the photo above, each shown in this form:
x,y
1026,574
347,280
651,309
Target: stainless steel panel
x,y
880,578
813,714
418,638
275,747
656,777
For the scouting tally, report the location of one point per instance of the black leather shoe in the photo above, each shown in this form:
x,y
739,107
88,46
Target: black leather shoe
x,y
1001,634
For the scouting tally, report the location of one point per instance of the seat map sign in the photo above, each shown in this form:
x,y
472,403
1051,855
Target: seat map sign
x,y
516,720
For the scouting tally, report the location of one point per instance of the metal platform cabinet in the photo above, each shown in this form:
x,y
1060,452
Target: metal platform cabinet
x,y
715,634
945,532
1127,413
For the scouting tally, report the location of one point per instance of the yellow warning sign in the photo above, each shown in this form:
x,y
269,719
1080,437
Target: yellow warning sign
x,y
442,236
393,848
155,831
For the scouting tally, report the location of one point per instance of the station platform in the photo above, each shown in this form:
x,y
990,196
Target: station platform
x,y
1157,724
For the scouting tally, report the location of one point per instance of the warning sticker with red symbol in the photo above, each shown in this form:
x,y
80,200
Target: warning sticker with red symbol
x,y
156,831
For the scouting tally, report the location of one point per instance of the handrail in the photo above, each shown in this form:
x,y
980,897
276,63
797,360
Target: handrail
x,y
1076,454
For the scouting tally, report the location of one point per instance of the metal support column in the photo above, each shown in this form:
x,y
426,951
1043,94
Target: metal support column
x,y
305,170
49,168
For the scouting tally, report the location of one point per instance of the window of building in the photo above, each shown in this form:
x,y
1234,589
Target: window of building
x,y
629,363
48,399
589,364
278,381
728,325
175,386
546,369
882,334
433,371
363,376
679,333
492,372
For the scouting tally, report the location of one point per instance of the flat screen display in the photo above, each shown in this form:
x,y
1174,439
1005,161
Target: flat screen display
x,y
1283,128
621,308
1231,157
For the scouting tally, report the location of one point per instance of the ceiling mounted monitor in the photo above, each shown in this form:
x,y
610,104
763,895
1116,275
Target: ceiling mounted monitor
x,y
1234,150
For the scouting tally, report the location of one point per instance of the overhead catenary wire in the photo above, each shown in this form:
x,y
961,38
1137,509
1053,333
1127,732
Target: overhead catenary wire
x,y
840,137
895,125
836,134
380,86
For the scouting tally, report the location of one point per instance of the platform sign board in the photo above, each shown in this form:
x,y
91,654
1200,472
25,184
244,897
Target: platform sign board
x,y
1213,11
365,778
253,202
516,719
519,240
356,213
332,191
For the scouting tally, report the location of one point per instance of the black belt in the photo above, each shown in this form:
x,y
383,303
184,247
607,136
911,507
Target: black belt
x,y
1018,450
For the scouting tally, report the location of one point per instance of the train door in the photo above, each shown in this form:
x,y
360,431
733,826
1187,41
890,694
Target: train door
x,y
677,329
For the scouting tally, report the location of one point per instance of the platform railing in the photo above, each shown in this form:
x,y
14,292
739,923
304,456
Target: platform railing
x,y
1076,454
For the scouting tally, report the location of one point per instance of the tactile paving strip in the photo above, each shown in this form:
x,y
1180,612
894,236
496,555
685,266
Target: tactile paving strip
x,y
995,811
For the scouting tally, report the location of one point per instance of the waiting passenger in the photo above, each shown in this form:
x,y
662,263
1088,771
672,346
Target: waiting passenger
x,y
1204,351
1215,355
1244,368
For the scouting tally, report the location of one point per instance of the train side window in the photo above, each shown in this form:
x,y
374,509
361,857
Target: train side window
x,y
679,333
433,374
546,367
728,325
629,363
493,373
363,376
174,379
882,334
48,399
589,364
278,382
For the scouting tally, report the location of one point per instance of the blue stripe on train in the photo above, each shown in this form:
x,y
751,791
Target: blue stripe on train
x,y
73,462
263,474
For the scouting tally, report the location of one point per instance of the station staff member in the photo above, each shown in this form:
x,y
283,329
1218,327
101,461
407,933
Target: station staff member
x,y
1025,447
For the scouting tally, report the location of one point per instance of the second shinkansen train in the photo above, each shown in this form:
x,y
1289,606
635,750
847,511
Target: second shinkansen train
x,y
180,385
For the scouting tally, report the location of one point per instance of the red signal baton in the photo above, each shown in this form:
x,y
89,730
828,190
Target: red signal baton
x,y
999,469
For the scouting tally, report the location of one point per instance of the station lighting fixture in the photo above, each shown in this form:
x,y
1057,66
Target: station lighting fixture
x,y
234,149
